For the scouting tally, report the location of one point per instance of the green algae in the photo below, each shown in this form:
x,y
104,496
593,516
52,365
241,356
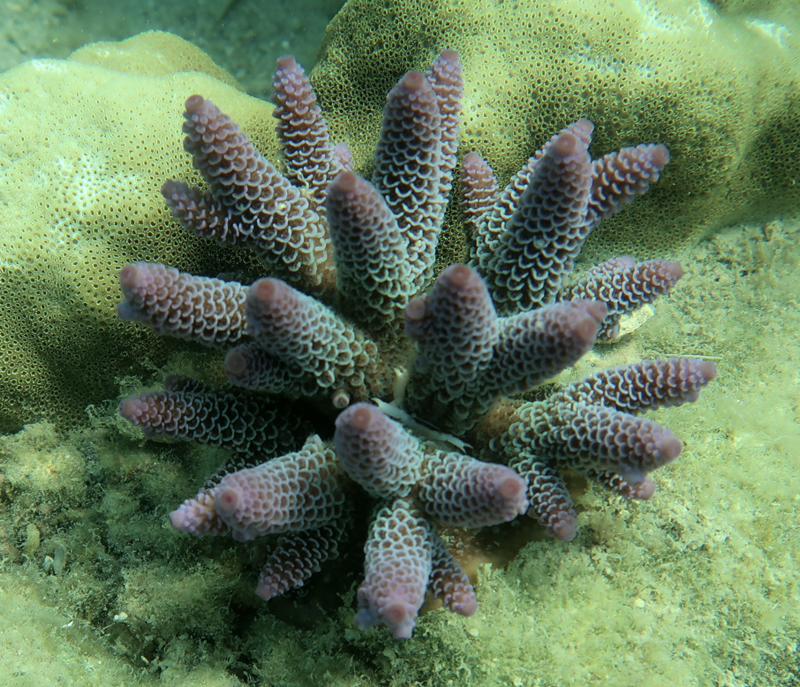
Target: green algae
x,y
696,587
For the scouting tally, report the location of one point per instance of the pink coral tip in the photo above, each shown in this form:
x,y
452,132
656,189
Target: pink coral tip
x,y
472,159
674,269
130,276
588,324
565,145
644,490
286,63
227,501
598,310
236,363
417,309
584,127
449,55
266,591
195,104
465,607
131,409
511,487
179,519
414,81
346,182
565,527
513,493
266,290
708,369
399,618
360,417
459,276
669,448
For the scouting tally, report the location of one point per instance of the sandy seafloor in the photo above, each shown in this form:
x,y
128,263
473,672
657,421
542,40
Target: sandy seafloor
x,y
698,586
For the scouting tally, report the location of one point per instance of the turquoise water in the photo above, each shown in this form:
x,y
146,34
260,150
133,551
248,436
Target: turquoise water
x,y
698,586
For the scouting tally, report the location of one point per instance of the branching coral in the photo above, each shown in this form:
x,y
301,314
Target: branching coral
x,y
344,308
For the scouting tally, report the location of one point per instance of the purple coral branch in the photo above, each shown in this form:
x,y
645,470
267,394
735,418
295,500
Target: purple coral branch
x,y
412,160
262,209
461,491
306,335
297,557
397,568
311,161
455,489
624,285
468,358
584,437
617,178
209,311
644,385
296,492
376,452
479,189
550,500
539,244
455,328
243,425
446,79
537,345
374,278
449,582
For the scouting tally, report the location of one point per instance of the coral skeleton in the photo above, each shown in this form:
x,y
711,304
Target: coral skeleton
x,y
350,296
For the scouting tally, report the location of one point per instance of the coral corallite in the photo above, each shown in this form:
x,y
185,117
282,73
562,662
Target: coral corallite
x,y
352,313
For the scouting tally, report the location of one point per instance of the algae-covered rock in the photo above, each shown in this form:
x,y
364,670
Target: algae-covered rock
x,y
85,145
718,84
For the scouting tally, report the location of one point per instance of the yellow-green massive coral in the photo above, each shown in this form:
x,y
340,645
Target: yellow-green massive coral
x,y
85,145
717,83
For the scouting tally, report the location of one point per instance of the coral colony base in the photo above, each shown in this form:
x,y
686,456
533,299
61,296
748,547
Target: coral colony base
x,y
341,323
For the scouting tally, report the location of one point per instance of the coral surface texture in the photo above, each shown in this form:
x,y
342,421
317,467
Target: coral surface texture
x,y
354,368
79,180
715,82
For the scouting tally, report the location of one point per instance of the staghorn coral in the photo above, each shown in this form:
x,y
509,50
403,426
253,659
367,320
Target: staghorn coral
x,y
354,256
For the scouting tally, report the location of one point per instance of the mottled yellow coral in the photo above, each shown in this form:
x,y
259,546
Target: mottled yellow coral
x,y
716,83
84,149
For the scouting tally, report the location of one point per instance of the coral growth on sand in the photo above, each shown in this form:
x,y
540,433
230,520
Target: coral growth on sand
x,y
352,312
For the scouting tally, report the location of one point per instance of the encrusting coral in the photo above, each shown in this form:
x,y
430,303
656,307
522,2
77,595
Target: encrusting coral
x,y
343,310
